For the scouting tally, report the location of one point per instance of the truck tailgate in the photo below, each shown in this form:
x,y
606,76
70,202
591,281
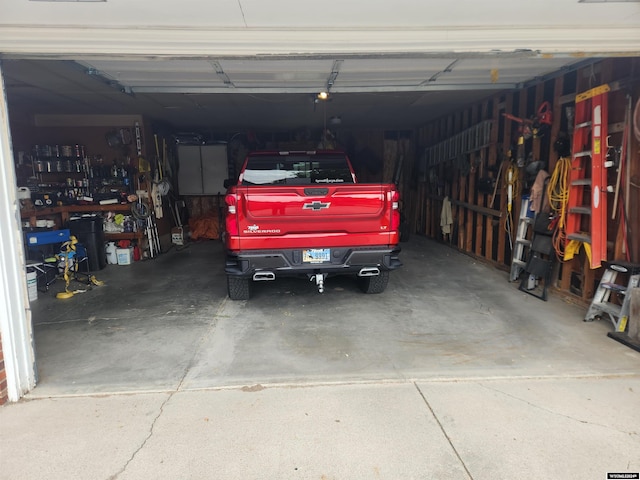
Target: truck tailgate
x,y
277,211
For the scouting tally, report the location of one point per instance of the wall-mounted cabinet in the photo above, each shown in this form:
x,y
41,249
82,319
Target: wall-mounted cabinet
x,y
202,169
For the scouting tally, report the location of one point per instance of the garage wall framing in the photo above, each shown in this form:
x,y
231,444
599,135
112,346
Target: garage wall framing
x,y
476,181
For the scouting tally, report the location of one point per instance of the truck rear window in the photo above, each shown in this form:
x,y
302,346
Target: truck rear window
x,y
296,170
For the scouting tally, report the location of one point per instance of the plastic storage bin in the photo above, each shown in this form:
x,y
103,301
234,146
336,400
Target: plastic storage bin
x,y
35,239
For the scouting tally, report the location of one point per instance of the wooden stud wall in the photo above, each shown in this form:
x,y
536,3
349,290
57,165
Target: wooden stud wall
x,y
480,219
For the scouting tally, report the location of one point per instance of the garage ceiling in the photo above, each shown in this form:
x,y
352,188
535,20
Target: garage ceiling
x,y
267,94
238,63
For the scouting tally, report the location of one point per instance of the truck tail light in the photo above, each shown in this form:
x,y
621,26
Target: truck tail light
x,y
395,210
231,220
395,199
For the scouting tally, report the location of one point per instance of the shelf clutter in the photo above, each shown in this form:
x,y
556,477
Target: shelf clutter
x,y
67,175
61,186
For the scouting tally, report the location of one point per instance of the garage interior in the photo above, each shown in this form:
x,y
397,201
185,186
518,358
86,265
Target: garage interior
x,y
437,127
476,362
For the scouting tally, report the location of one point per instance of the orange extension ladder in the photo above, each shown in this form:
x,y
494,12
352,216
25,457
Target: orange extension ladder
x,y
587,203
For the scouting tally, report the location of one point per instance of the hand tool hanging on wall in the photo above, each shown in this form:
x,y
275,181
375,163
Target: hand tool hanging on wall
x,y
496,185
512,185
620,207
620,163
156,196
534,127
138,139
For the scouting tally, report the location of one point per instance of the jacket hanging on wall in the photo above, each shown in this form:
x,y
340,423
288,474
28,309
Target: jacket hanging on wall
x,y
446,218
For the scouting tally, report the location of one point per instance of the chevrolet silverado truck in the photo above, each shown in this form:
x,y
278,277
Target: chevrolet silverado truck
x,y
304,214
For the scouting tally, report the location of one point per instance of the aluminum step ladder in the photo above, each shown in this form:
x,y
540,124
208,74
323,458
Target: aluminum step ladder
x,y
602,306
523,240
587,204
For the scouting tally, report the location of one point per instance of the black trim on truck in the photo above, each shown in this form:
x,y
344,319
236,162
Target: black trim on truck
x,y
289,262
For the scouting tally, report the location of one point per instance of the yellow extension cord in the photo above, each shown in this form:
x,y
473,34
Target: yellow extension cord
x,y
558,195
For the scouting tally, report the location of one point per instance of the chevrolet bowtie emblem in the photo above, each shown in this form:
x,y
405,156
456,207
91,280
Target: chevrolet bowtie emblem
x,y
316,205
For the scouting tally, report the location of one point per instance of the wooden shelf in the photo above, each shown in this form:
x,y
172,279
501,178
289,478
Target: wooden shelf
x,y
113,207
124,236
66,211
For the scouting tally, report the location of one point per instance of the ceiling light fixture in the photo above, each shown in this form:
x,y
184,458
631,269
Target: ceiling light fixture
x,y
335,69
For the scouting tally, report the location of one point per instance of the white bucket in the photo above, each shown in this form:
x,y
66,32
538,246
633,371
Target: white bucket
x,y
124,255
32,284
112,257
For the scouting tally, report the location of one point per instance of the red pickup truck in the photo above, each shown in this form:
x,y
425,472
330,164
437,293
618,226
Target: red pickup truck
x,y
304,214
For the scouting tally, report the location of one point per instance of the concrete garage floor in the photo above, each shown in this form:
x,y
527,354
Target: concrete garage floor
x,y
451,373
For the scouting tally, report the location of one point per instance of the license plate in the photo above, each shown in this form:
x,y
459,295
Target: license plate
x,y
316,255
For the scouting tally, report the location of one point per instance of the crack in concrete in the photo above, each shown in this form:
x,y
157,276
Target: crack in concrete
x,y
144,442
455,451
171,393
569,417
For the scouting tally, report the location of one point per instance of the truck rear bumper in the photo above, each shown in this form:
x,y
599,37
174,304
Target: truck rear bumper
x,y
289,262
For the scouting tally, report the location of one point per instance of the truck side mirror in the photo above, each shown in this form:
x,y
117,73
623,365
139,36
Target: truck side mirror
x,y
228,182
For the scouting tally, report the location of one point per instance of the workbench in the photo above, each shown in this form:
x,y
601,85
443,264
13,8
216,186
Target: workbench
x,y
61,214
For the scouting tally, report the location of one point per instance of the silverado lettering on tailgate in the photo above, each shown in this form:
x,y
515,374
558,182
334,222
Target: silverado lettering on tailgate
x,y
256,229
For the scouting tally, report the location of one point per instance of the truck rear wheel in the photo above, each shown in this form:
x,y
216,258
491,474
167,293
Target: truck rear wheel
x,y
238,288
376,284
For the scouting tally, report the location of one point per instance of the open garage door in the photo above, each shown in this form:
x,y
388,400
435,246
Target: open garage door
x,y
249,63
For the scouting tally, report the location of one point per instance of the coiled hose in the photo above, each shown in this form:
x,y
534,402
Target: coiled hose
x,y
558,195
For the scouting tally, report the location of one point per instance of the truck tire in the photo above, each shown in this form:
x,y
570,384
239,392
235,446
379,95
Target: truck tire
x,y
238,288
376,284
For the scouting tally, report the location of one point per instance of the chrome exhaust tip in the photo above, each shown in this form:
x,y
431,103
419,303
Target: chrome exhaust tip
x,y
263,276
369,272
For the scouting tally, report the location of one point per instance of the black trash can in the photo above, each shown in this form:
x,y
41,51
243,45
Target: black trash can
x,y
89,232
